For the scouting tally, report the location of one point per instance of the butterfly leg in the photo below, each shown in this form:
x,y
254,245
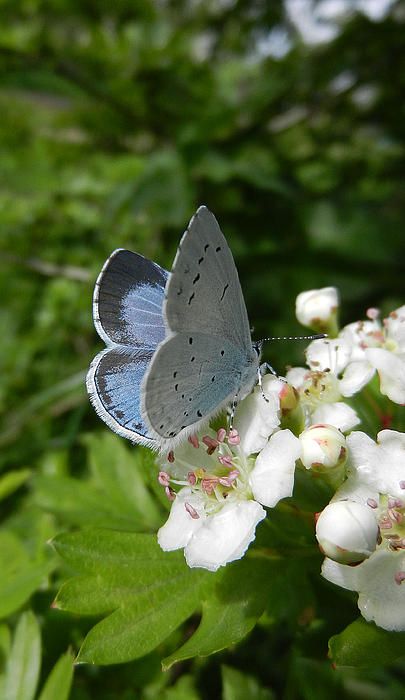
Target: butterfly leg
x,y
232,411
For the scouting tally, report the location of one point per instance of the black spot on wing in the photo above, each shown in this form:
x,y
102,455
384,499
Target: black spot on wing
x,y
224,291
191,298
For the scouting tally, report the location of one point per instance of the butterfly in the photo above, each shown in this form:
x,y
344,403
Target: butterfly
x,y
179,349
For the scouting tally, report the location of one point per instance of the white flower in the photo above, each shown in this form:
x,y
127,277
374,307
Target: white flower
x,y
347,531
322,445
210,541
317,309
320,398
225,483
377,480
361,349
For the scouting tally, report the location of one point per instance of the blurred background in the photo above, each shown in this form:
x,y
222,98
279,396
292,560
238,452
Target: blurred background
x,y
286,118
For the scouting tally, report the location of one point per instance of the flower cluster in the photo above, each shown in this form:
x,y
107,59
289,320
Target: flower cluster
x,y
221,480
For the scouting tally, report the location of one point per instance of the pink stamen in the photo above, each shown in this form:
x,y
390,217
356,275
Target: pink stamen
x,y
226,460
191,511
385,524
233,437
391,502
211,444
372,503
221,434
170,493
228,480
372,313
395,516
191,478
402,484
193,440
399,577
208,485
164,478
170,457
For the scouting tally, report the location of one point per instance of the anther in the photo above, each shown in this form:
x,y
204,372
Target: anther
x,y
164,478
191,511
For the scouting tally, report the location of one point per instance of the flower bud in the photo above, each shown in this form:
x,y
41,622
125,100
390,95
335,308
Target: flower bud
x,y
317,309
347,532
323,447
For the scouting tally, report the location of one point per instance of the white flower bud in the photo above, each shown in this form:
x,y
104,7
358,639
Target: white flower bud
x,y
322,447
317,309
347,532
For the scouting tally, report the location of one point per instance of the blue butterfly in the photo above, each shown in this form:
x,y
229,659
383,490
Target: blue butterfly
x,y
179,349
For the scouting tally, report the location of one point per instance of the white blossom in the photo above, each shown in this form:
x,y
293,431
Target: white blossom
x,y
226,478
376,479
317,309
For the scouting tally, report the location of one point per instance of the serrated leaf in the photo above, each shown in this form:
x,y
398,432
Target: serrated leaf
x,y
149,592
23,663
240,686
59,681
79,503
12,481
229,612
20,577
366,645
123,473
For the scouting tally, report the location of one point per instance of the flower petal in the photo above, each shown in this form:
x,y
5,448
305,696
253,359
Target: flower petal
x,y
224,536
381,598
341,574
391,369
339,414
379,466
256,418
180,526
272,477
356,375
330,355
395,328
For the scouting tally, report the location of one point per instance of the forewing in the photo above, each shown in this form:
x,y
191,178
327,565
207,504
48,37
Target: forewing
x,y
191,377
128,299
114,384
203,292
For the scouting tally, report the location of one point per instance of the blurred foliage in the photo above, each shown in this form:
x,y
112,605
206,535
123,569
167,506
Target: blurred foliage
x,y
117,121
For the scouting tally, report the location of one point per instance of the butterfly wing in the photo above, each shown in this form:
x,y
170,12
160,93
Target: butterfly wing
x,y
127,310
208,353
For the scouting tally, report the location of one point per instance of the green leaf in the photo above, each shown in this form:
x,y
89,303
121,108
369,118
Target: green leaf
x,y
59,681
12,481
79,503
240,686
23,663
123,472
230,610
20,577
366,645
149,592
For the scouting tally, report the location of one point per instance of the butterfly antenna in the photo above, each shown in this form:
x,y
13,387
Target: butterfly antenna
x,y
318,336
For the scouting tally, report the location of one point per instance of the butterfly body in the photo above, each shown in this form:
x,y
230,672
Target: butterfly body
x,y
179,344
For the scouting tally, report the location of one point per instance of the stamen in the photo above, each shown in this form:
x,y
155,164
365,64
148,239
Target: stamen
x,y
211,444
191,478
226,460
233,437
395,516
372,503
170,493
164,478
402,484
170,457
372,313
193,440
221,434
399,577
191,511
208,484
385,524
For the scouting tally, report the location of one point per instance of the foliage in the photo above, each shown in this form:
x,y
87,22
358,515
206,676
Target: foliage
x,y
118,120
